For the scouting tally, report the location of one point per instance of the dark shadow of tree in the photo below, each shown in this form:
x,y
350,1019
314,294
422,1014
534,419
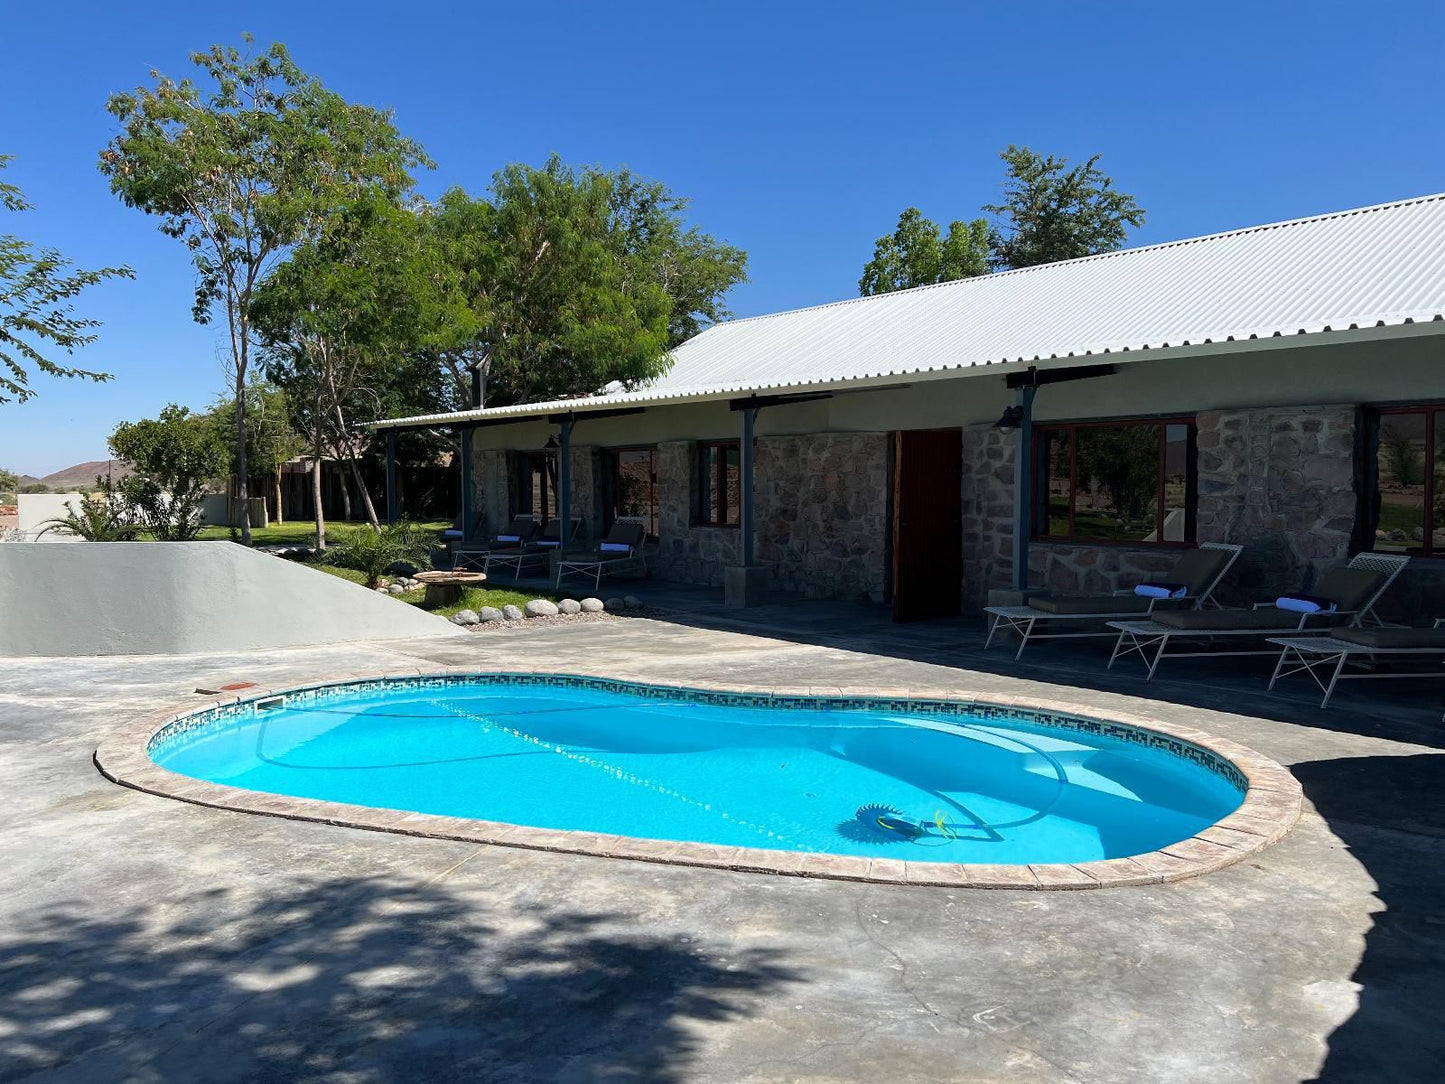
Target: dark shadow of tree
x,y
359,980
1390,812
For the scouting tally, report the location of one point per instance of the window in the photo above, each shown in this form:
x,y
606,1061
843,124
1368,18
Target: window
x,y
1116,482
719,495
537,491
1409,474
634,486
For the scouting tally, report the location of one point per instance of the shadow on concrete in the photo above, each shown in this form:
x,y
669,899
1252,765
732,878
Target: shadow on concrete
x,y
358,980
1399,710
1390,812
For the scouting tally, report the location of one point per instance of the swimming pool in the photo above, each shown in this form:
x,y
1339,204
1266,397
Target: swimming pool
x,y
928,781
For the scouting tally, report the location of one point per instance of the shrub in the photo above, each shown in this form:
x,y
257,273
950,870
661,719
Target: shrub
x,y
103,517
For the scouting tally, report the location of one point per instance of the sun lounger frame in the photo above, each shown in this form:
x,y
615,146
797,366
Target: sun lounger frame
x,y
1024,620
1138,637
1330,655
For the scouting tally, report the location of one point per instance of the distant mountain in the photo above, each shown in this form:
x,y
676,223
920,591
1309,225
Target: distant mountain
x,y
82,475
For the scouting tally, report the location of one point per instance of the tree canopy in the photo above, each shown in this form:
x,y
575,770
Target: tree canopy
x,y
174,457
37,314
916,254
574,279
244,170
1050,211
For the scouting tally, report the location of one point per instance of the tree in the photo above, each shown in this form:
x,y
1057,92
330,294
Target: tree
x,y
9,481
35,487
1052,212
917,254
37,288
271,439
345,307
243,172
574,279
1049,212
174,457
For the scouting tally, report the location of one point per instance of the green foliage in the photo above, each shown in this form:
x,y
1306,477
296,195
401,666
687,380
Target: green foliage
x,y
37,316
917,254
270,436
1405,453
1124,461
174,456
9,481
373,552
574,279
242,171
35,487
105,516
1051,211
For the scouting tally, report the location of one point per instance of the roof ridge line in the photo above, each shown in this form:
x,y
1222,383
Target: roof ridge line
x,y
991,276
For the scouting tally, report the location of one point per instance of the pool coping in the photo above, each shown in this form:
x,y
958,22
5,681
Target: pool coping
x,y
1271,805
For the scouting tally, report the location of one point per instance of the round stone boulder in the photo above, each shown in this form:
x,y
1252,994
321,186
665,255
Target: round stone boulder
x,y
512,613
489,613
632,602
396,589
540,607
569,606
591,605
465,617
614,605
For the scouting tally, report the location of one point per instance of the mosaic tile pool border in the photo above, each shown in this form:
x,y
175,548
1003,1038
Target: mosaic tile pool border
x,y
1270,806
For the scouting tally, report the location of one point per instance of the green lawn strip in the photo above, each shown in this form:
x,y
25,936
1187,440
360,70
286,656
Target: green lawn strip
x,y
473,598
303,532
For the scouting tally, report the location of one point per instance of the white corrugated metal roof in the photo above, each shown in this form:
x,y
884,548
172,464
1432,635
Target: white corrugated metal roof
x,y
1367,267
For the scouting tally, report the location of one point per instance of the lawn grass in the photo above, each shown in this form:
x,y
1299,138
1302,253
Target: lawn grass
x,y
303,532
473,598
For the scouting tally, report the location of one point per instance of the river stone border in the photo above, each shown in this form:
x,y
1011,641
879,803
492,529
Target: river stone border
x,y
1270,808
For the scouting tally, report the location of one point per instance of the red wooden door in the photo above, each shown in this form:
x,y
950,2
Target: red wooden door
x,y
927,523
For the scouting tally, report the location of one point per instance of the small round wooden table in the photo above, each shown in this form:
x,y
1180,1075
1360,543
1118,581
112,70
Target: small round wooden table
x,y
444,588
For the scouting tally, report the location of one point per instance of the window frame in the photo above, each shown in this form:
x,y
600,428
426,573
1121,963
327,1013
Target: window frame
x,y
614,482
1040,489
1371,506
718,483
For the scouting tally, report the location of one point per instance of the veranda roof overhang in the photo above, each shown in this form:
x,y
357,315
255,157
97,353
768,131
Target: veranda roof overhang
x,y
616,404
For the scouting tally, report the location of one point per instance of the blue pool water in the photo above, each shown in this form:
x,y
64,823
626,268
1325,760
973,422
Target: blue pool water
x,y
915,786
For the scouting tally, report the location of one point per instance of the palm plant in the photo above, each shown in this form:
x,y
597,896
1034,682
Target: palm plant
x,y
373,552
103,518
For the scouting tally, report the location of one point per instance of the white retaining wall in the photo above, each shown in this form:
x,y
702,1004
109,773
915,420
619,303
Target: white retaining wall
x,y
154,598
36,508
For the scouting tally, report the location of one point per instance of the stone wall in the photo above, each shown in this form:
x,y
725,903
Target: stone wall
x,y
821,502
822,508
988,508
1281,483
687,553
491,488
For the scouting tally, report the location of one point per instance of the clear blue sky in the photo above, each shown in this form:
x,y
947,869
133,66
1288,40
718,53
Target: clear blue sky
x,y
800,130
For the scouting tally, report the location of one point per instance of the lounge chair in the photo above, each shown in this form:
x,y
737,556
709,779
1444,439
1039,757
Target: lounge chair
x,y
535,552
1345,595
477,555
1355,646
1189,585
621,551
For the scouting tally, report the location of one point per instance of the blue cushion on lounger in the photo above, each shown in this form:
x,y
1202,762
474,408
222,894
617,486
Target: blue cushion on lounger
x,y
615,547
509,538
1161,590
1306,604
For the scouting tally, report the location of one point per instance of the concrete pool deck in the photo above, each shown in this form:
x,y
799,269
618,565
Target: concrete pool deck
x,y
143,938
